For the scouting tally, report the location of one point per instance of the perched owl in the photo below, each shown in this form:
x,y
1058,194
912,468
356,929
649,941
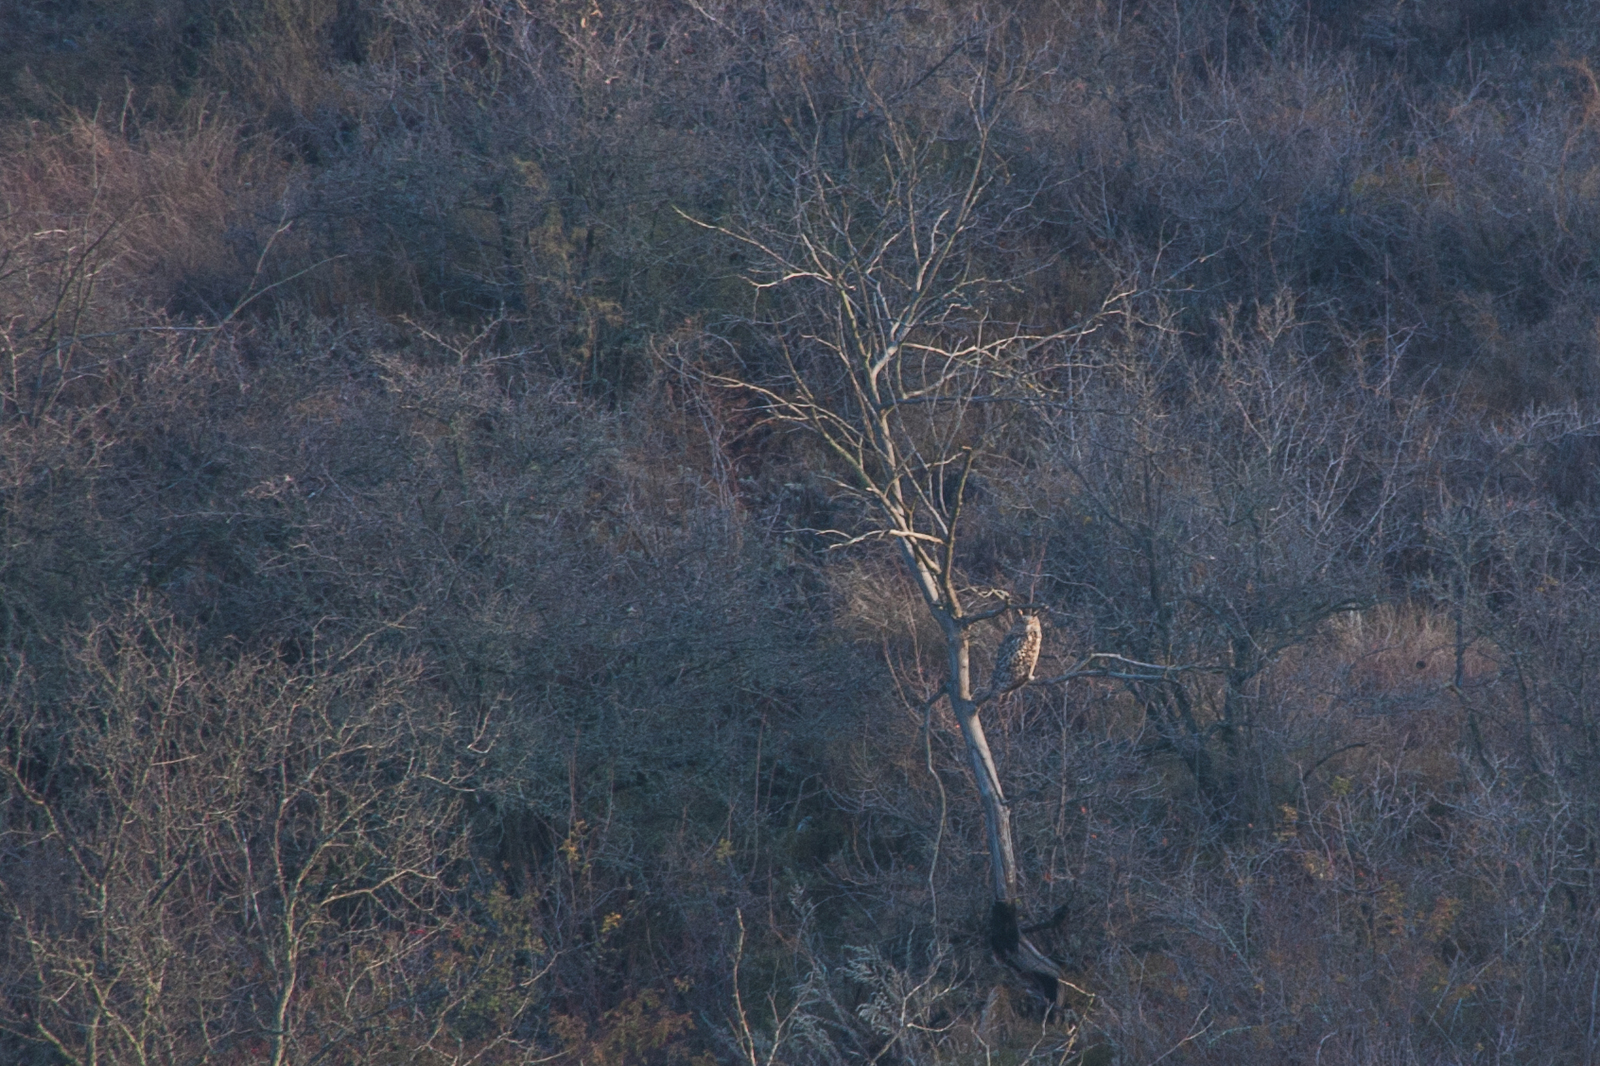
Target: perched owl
x,y
1018,654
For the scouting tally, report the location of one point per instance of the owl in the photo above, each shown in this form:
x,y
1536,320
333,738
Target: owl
x,y
1018,654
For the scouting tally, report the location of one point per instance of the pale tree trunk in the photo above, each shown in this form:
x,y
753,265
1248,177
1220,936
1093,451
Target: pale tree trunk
x,y
1006,938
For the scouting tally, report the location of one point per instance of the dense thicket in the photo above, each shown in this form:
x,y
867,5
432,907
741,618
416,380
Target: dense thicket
x,y
413,647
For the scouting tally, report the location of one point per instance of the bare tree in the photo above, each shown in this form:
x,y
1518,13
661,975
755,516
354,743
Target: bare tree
x,y
199,862
1222,521
875,290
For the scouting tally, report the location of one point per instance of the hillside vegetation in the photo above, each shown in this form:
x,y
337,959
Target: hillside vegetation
x,y
459,602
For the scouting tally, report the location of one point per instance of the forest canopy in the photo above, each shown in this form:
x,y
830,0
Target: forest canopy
x,y
511,513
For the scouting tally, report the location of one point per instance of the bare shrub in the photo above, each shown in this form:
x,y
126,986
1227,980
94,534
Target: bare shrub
x,y
105,227
1215,520
205,859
